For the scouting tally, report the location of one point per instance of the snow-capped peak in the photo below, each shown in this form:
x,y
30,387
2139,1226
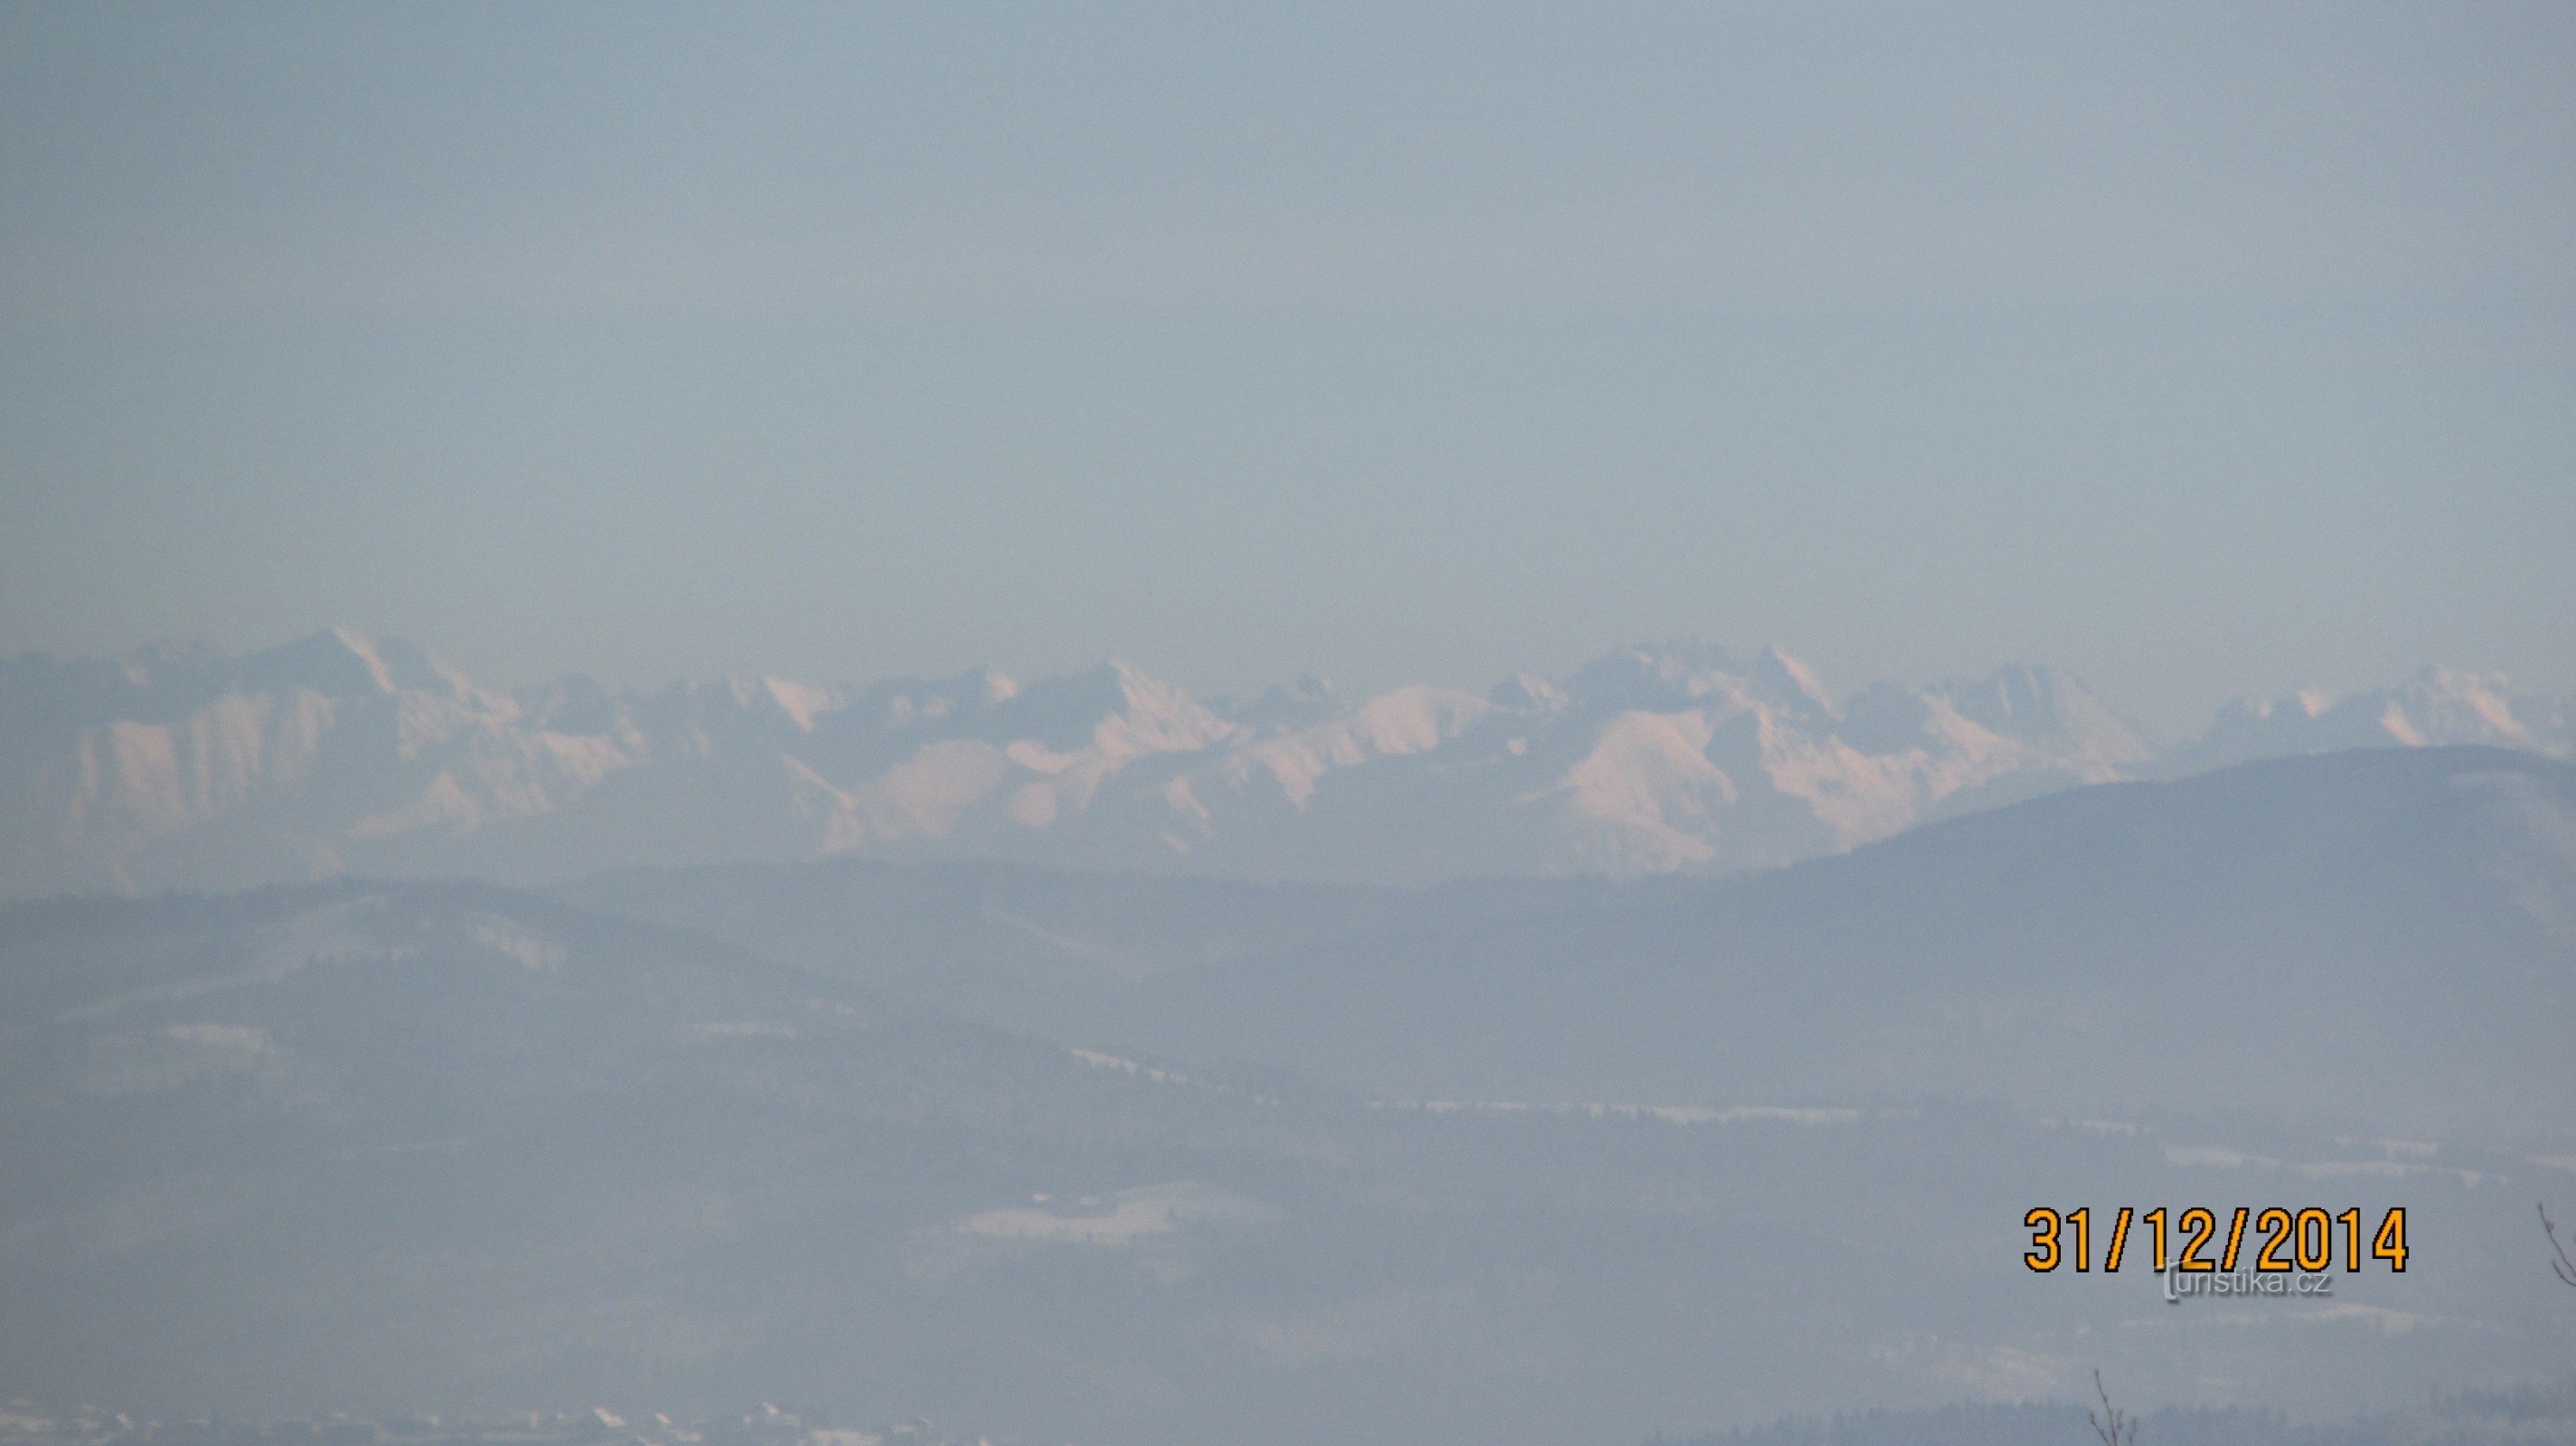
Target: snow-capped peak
x,y
353,752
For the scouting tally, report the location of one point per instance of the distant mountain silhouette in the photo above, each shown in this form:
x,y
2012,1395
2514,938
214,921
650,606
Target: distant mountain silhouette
x,y
2384,936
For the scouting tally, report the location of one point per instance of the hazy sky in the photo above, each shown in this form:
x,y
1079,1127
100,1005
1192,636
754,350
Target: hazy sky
x,y
2202,354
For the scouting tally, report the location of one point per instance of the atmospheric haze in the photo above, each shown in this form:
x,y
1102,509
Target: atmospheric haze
x,y
789,725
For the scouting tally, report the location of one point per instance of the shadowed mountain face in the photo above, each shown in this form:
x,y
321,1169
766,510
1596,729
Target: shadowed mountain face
x,y
2386,937
342,753
1030,949
2380,937
387,1147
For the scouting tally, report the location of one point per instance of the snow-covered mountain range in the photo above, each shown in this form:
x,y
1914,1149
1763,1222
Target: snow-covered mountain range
x,y
177,768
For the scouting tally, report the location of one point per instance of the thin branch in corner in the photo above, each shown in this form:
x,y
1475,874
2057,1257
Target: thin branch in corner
x,y
2114,1428
2562,1267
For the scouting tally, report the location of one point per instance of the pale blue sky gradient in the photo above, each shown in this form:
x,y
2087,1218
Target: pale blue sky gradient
x,y
2199,353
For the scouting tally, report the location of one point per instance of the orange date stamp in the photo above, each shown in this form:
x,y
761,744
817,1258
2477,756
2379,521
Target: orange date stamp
x,y
2282,1240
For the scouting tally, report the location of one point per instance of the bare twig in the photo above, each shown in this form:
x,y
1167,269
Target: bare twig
x,y
2114,1428
2562,1267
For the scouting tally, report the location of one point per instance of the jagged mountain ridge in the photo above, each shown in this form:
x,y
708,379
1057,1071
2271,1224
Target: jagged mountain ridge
x,y
179,768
